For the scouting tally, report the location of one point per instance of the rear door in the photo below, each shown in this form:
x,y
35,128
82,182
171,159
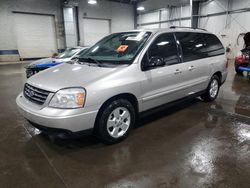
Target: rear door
x,y
162,84
195,66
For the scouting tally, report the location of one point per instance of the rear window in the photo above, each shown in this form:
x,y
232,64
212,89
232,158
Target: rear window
x,y
199,45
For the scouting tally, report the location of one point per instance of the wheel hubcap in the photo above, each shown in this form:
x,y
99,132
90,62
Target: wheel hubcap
x,y
214,88
118,122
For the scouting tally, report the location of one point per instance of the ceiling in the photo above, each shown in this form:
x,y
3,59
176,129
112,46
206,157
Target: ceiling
x,y
127,1
165,2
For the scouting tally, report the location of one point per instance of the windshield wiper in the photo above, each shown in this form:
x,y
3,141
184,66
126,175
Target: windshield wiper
x,y
89,59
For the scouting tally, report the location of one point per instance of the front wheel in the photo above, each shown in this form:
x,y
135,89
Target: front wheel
x,y
115,121
212,90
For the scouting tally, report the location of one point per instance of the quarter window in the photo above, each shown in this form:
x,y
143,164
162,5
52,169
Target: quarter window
x,y
164,47
214,46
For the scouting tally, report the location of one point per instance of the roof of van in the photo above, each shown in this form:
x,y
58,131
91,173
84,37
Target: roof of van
x,y
174,29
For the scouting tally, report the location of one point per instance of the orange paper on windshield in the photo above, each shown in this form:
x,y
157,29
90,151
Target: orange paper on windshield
x,y
122,48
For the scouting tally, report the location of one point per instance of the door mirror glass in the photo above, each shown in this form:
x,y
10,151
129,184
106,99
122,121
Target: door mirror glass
x,y
155,62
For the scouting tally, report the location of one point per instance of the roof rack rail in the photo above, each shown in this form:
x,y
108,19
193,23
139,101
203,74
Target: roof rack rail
x,y
174,27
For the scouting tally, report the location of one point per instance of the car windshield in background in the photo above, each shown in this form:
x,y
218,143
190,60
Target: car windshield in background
x,y
118,48
68,53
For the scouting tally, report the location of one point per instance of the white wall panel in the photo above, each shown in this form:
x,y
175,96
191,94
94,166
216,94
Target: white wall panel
x,y
239,4
158,4
35,35
151,26
120,14
213,7
70,27
7,29
166,14
94,30
149,17
122,17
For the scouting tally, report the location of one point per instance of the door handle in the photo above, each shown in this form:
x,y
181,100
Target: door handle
x,y
177,71
191,68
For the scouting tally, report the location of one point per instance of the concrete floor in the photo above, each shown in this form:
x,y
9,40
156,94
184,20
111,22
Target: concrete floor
x,y
195,144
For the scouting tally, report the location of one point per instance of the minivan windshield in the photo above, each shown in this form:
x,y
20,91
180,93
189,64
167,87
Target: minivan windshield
x,y
118,48
68,53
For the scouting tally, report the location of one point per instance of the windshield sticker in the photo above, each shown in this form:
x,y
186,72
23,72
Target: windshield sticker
x,y
122,48
133,38
138,37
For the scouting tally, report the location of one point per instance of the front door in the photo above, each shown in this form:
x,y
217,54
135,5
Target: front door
x,y
162,84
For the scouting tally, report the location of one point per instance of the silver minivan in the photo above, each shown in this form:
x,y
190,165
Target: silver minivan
x,y
124,74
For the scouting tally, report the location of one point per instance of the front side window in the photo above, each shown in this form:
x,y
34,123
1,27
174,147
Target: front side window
x,y
165,48
118,48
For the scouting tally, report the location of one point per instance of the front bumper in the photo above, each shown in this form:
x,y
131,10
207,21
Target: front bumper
x,y
73,120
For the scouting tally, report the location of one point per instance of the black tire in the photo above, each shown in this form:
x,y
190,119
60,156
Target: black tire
x,y
101,130
207,96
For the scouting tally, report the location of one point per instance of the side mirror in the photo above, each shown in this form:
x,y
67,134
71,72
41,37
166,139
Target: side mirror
x,y
155,62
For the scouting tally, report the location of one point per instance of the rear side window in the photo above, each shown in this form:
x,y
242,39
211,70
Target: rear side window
x,y
193,46
164,47
199,45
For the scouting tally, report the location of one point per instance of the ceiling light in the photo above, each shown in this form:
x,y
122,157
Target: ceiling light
x,y
92,2
141,8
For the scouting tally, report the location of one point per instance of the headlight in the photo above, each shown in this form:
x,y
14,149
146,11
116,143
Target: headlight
x,y
69,98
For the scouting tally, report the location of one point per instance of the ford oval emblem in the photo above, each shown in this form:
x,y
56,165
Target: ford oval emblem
x,y
31,93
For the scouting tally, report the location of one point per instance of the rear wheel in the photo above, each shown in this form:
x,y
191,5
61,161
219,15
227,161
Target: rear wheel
x,y
115,121
212,90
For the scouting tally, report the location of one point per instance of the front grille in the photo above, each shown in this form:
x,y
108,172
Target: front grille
x,y
35,94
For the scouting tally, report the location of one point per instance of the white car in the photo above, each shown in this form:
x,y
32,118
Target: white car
x,y
45,63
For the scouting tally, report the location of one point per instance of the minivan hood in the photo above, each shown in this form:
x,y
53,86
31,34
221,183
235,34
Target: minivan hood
x,y
69,75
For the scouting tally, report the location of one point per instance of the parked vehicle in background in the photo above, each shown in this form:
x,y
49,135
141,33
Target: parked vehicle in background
x,y
45,63
242,62
122,75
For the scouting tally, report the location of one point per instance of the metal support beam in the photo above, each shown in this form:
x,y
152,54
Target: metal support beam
x,y
191,12
135,14
195,12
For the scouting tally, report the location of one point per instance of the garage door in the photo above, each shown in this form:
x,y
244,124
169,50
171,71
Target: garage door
x,y
35,35
94,30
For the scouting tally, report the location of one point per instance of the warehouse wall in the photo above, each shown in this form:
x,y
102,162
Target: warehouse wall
x,y
179,16
8,44
120,14
226,26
